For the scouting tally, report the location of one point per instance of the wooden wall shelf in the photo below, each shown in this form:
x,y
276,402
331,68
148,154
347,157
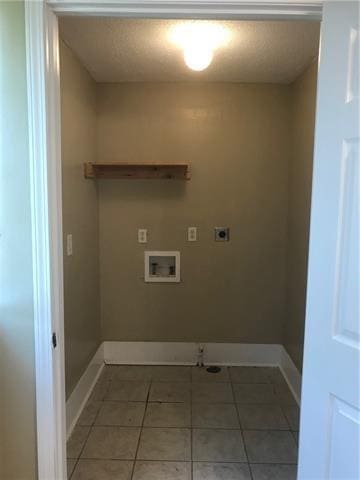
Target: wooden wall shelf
x,y
136,171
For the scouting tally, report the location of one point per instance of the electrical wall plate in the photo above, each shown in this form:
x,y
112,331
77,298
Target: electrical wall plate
x,y
142,235
192,234
222,234
69,244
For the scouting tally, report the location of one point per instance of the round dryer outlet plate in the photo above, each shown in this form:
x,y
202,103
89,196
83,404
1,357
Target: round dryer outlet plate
x,y
222,234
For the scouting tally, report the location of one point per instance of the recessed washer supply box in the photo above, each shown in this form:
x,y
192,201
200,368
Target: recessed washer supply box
x,y
162,266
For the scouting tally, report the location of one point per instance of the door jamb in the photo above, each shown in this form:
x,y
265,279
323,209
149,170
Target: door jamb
x,y
43,87
43,91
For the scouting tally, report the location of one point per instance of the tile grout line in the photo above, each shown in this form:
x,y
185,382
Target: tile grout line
x,y
110,459
141,430
73,470
150,382
133,427
92,424
191,430
282,408
286,418
90,427
240,425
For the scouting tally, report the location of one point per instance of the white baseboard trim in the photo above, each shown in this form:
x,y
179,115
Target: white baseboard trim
x,y
80,395
237,354
150,353
184,353
291,374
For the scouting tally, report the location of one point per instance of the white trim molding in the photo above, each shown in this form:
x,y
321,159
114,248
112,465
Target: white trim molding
x,y
217,9
45,179
224,354
150,353
187,353
291,374
81,393
242,354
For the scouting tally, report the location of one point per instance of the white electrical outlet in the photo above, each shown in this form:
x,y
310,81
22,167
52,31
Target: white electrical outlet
x,y
142,235
69,244
192,234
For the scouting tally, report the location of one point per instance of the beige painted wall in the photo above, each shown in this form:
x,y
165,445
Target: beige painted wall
x,y
80,217
17,371
236,138
250,150
300,179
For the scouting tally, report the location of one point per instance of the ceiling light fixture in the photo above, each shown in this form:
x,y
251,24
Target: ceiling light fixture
x,y
198,58
198,40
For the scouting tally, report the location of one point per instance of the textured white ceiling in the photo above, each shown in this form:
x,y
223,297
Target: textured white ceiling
x,y
128,50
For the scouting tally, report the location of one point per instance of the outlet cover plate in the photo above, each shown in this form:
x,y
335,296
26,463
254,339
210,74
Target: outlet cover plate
x,y
192,234
142,235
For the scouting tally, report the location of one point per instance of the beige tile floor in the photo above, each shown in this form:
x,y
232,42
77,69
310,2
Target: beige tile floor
x,y
183,423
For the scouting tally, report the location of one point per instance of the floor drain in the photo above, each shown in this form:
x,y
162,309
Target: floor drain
x,y
213,369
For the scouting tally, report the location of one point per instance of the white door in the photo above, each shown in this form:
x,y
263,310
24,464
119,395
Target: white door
x,y
330,427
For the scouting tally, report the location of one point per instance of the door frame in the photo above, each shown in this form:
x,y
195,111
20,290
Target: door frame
x,y
43,87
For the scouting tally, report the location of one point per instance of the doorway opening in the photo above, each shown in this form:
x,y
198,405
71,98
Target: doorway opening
x,y
162,162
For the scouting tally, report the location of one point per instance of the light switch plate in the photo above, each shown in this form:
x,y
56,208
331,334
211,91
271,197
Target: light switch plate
x,y
192,234
142,235
69,244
